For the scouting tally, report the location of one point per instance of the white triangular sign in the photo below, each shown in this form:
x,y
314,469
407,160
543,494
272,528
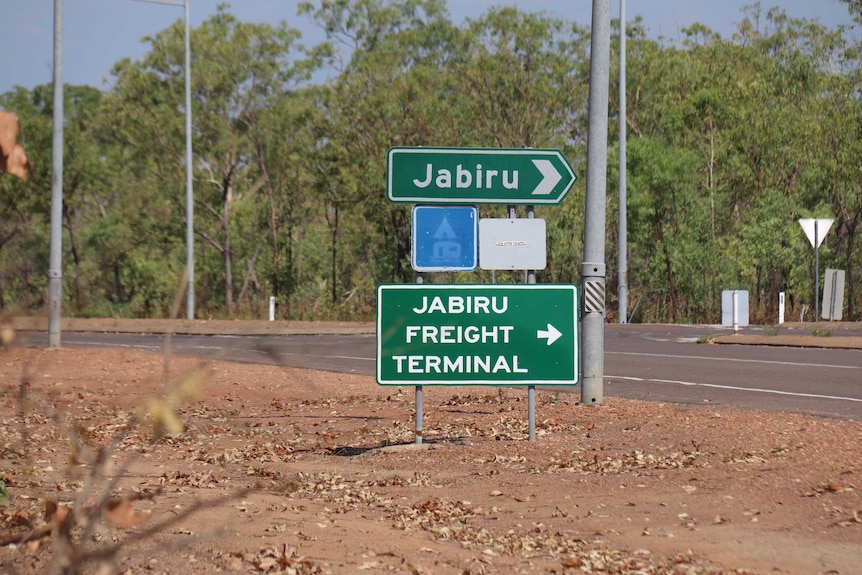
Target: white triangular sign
x,y
823,225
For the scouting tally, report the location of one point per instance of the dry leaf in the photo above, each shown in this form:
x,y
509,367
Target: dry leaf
x,y
165,421
121,513
8,132
55,513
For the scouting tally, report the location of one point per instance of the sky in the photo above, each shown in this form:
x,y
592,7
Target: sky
x,y
98,33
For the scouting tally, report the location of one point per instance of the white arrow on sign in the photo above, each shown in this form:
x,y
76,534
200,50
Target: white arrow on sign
x,y
552,334
550,177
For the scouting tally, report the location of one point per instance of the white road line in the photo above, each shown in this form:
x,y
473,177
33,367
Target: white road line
x,y
736,388
101,344
326,356
700,357
277,353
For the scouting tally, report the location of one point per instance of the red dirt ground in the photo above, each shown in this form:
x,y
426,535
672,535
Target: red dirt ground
x,y
279,470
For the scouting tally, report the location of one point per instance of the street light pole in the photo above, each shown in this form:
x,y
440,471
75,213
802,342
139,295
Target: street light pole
x,y
593,268
190,260
623,288
55,263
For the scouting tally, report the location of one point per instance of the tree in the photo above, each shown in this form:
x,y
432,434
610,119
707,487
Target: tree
x,y
24,208
239,70
394,92
13,158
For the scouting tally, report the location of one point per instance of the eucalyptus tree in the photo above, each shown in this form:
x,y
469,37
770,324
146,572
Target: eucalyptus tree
x,y
805,146
394,90
238,70
85,172
523,83
24,207
752,111
286,140
677,103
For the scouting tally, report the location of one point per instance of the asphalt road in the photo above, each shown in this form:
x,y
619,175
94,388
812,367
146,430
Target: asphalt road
x,y
665,363
662,363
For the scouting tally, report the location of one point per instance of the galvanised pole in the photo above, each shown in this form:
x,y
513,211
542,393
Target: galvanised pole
x,y
190,227
190,207
816,271
623,288
55,263
593,272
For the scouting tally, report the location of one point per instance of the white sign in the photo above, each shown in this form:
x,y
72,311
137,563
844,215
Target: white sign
x,y
477,334
816,236
833,295
728,318
512,244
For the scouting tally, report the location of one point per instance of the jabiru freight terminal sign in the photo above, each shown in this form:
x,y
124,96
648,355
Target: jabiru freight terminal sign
x,y
477,334
477,176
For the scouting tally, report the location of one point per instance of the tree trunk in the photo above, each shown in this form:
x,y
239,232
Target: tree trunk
x,y
226,253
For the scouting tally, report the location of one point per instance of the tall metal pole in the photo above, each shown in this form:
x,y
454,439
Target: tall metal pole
x,y
55,263
190,228
190,207
593,272
623,287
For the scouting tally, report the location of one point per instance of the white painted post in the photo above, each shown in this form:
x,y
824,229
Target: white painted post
x,y
271,308
735,312
780,307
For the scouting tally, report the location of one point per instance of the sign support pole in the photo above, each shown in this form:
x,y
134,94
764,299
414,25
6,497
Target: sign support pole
x,y
531,389
816,272
812,229
418,428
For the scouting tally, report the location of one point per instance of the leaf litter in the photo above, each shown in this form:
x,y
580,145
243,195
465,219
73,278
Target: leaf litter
x,y
333,481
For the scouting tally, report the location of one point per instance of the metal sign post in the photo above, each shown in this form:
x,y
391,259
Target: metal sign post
x,y
815,230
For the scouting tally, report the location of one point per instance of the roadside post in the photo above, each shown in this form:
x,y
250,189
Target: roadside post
x,y
780,307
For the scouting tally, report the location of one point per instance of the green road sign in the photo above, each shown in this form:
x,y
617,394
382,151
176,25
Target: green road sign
x,y
453,334
477,176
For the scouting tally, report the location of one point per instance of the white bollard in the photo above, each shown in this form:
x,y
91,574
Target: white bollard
x,y
271,308
780,307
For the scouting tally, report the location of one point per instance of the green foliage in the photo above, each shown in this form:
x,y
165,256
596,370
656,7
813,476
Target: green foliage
x,y
730,142
5,496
